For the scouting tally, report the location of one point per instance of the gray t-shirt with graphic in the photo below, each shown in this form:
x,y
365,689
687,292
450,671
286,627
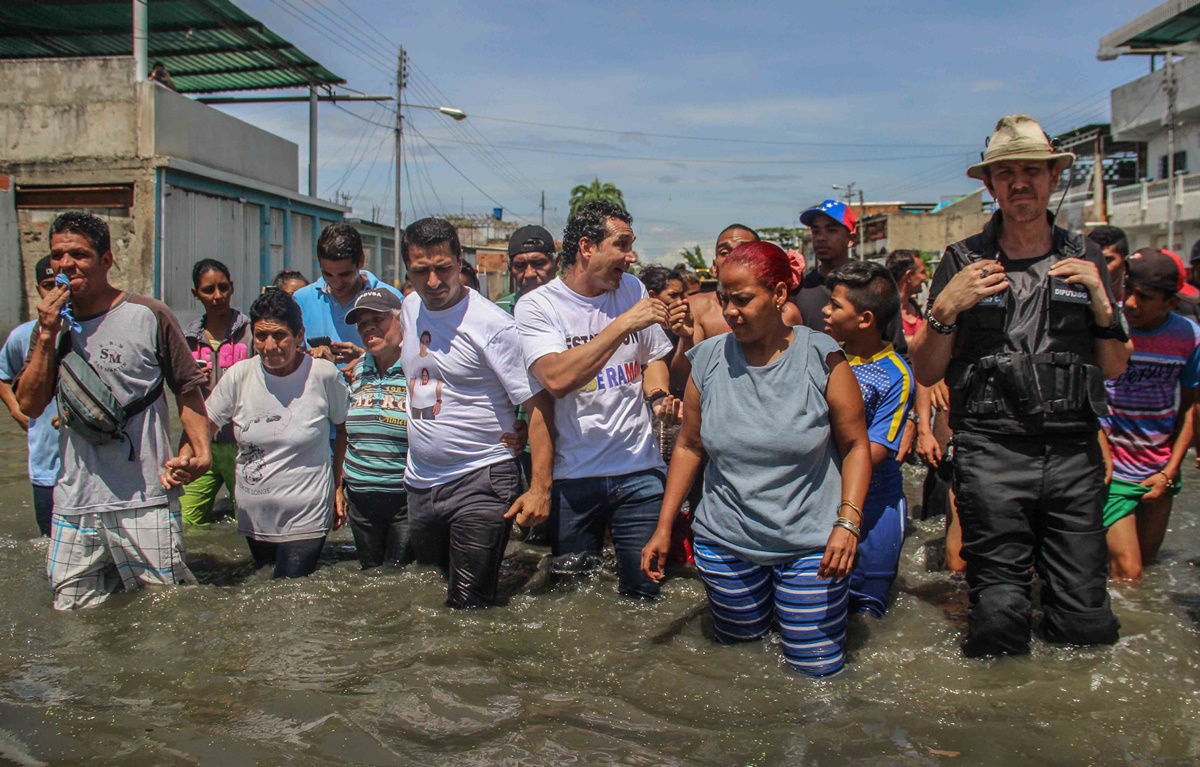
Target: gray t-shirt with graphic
x,y
773,481
131,346
284,484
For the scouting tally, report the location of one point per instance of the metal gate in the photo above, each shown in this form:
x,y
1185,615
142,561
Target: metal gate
x,y
198,226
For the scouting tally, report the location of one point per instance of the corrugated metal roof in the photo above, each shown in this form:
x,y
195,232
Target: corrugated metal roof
x,y
1171,24
207,45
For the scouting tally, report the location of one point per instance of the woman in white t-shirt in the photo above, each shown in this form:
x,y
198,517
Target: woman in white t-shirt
x,y
281,404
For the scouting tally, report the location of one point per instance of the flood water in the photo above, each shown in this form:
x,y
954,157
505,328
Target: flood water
x,y
343,668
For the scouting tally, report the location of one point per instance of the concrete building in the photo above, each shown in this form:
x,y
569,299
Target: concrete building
x,y
176,180
1101,163
379,249
928,228
484,240
1143,206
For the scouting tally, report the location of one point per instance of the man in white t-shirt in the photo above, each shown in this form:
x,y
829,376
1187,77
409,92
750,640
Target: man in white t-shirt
x,y
462,481
595,340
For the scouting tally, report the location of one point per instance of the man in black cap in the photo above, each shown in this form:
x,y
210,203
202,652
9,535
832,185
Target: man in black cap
x,y
531,262
1022,324
42,434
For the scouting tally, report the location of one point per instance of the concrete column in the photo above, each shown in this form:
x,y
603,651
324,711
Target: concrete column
x,y
141,56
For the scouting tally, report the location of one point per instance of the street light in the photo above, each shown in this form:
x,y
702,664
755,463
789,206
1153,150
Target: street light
x,y
452,112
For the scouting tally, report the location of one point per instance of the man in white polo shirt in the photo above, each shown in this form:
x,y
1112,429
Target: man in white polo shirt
x,y
595,340
462,481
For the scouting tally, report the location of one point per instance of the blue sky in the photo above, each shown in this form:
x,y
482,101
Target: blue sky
x,y
789,98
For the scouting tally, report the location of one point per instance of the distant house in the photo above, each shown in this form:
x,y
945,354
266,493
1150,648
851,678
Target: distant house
x,y
926,227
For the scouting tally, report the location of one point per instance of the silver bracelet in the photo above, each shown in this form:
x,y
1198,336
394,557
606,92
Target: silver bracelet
x,y
846,524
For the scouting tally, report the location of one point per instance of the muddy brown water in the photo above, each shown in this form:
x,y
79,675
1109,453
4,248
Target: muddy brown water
x,y
346,668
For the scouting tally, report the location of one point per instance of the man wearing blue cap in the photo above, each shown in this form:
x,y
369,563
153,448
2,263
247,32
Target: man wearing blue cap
x,y
832,224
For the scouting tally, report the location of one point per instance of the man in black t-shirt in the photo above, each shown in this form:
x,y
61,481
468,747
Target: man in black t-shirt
x,y
1022,324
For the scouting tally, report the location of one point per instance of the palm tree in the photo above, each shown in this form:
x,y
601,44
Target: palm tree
x,y
585,193
694,257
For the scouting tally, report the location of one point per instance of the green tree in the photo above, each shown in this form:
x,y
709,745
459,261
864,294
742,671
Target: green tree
x,y
585,193
694,257
786,237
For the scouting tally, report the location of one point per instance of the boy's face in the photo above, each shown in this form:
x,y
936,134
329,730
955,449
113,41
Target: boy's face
x,y
842,320
1145,308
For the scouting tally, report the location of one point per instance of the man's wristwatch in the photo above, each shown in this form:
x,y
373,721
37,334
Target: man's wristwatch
x,y
1117,330
938,327
654,397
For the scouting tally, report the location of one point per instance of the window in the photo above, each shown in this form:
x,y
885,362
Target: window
x,y
1180,164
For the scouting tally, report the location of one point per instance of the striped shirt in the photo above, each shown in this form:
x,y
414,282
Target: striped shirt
x,y
377,429
1144,400
887,392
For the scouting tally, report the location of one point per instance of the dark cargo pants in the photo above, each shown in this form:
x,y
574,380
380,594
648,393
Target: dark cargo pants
x,y
460,527
1032,503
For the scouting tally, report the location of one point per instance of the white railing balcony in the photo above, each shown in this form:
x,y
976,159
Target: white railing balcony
x,y
1146,204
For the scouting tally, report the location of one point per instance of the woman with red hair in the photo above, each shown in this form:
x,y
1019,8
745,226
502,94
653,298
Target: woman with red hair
x,y
779,414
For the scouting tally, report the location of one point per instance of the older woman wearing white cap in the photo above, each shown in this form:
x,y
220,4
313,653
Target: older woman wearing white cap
x,y
377,435
1022,324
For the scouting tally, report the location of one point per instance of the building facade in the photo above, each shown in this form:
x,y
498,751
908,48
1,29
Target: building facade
x,y
176,180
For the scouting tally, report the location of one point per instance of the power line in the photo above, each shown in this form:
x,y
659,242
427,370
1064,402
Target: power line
x,y
490,157
716,161
351,47
464,176
714,138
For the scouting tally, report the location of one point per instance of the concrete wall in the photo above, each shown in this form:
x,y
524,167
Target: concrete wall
x,y
932,232
66,109
193,131
1187,139
11,281
1138,107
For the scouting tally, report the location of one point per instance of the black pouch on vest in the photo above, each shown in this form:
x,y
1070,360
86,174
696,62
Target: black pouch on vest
x,y
1017,378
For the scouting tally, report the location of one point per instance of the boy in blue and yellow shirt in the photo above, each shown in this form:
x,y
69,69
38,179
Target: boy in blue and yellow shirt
x,y
863,300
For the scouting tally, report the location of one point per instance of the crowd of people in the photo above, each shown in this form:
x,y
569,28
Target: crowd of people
x,y
752,434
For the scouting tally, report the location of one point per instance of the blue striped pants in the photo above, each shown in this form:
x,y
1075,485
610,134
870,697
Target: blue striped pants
x,y
745,597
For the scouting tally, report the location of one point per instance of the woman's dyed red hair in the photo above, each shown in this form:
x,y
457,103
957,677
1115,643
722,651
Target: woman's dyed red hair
x,y
769,264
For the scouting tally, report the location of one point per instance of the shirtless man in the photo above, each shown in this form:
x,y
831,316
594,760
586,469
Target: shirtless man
x,y
701,315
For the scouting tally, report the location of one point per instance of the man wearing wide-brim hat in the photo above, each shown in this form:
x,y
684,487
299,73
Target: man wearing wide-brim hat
x,y
1023,327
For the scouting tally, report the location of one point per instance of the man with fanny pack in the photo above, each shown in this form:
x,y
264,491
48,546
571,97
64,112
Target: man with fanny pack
x,y
1022,324
105,355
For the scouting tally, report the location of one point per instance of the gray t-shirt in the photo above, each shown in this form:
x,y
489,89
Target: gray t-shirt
x,y
773,481
131,346
284,484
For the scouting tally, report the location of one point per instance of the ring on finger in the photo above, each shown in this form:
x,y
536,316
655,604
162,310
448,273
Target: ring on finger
x,y
984,271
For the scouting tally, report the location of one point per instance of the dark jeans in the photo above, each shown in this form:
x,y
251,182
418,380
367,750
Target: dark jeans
x,y
379,523
627,506
1031,503
43,507
460,527
292,559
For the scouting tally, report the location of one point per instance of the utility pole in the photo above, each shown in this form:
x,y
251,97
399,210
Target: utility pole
x,y
543,208
1172,89
401,75
849,190
1099,204
312,141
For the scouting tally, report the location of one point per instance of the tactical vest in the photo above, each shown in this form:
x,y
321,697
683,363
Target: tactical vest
x,y
1030,367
